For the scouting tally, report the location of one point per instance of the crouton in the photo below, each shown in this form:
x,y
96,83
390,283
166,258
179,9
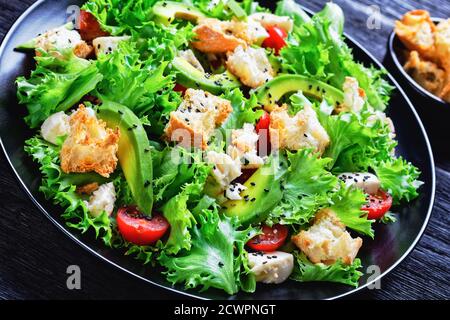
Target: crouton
x,y
327,241
251,66
251,31
442,44
427,74
243,146
83,50
271,20
415,30
196,118
87,188
300,131
90,146
211,38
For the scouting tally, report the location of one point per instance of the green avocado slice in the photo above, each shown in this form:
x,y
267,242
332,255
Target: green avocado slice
x,y
165,12
271,92
134,152
190,77
262,194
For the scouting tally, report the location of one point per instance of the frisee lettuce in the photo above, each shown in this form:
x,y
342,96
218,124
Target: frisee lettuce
x,y
59,81
307,188
305,271
59,188
217,257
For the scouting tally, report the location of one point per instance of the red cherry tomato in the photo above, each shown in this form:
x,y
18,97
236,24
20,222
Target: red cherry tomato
x,y
378,205
179,88
271,238
275,39
139,229
89,27
262,129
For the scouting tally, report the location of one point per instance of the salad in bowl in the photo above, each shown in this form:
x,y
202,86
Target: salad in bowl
x,y
223,142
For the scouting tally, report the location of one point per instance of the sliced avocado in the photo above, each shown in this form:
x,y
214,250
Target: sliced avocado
x,y
271,92
165,12
262,194
31,44
191,77
134,152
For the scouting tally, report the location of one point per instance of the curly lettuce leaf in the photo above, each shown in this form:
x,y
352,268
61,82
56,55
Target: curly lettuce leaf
x,y
347,204
307,187
217,257
292,9
317,49
400,178
58,82
58,187
244,110
120,16
305,271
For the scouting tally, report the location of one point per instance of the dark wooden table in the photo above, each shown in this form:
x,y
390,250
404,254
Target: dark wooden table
x,y
34,255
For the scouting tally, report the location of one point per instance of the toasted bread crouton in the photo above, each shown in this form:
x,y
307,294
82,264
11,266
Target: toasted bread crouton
x,y
300,131
354,96
251,66
425,73
225,169
83,50
243,146
251,31
211,38
87,188
442,44
415,30
445,92
327,241
196,118
90,146
271,20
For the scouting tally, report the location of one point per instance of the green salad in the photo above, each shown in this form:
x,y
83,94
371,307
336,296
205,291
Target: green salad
x,y
217,141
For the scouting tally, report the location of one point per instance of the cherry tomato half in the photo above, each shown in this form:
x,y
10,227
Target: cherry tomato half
x,y
275,39
378,205
139,229
179,88
262,129
89,27
271,238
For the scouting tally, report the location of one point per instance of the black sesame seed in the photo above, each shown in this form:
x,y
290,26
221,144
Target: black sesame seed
x,y
266,190
264,262
221,264
253,200
310,87
318,88
356,180
252,184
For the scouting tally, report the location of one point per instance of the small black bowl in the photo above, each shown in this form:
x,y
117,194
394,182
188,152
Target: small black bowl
x,y
396,50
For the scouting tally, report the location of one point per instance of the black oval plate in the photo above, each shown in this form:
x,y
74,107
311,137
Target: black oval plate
x,y
392,244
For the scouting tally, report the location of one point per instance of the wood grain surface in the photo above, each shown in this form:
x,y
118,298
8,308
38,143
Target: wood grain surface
x,y
34,254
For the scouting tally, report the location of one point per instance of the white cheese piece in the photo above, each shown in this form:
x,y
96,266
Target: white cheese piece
x,y
272,20
58,39
271,267
107,45
353,96
363,180
55,126
225,169
102,199
233,191
190,57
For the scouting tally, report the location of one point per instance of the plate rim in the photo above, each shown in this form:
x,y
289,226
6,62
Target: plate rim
x,y
186,293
